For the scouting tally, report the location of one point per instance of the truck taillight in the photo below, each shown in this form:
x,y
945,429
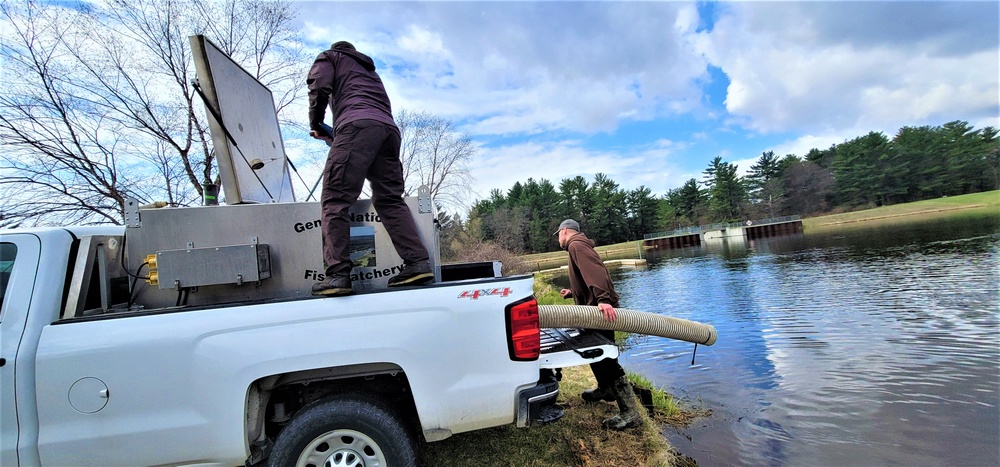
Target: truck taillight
x,y
523,338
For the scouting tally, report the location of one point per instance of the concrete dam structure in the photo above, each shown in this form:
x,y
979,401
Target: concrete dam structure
x,y
749,230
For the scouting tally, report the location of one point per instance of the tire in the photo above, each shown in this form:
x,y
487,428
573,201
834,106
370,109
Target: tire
x,y
350,431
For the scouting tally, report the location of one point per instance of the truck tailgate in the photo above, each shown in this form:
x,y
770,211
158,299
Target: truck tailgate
x,y
563,348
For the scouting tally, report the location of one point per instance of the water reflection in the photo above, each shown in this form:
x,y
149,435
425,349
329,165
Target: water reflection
x,y
869,346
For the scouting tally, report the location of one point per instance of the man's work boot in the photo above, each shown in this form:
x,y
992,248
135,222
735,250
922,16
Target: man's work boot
x,y
413,274
600,393
628,412
333,286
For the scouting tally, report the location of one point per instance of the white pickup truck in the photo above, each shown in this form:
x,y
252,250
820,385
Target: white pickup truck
x,y
353,380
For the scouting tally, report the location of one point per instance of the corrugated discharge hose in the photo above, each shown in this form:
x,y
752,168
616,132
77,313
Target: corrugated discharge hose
x,y
635,321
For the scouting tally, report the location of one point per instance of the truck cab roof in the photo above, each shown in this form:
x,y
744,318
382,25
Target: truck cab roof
x,y
76,231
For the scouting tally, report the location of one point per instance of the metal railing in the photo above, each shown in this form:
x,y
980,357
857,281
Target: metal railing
x,y
722,225
681,231
778,220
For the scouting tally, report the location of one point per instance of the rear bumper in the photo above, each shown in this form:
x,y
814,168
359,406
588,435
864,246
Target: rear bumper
x,y
530,400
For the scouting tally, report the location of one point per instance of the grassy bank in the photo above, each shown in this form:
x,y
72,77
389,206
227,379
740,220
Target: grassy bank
x,y
976,204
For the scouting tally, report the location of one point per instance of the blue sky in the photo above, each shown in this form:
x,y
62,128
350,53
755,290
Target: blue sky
x,y
650,92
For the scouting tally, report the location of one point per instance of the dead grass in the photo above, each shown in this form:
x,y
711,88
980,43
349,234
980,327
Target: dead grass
x,y
975,204
556,259
575,440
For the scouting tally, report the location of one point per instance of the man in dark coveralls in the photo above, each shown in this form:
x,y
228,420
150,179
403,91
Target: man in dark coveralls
x,y
364,144
590,284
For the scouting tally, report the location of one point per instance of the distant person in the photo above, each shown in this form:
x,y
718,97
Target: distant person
x,y
590,284
364,144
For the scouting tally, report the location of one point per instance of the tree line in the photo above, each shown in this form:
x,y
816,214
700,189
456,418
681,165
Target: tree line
x,y
872,170
524,218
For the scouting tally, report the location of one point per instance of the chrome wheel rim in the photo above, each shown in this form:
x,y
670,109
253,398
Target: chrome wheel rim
x,y
342,448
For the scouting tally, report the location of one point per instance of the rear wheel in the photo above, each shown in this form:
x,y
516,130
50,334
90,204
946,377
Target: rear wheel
x,y
346,431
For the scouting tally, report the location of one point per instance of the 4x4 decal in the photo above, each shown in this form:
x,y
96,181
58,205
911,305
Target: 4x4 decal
x,y
475,294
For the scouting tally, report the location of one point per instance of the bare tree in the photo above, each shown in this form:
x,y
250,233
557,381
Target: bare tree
x,y
813,187
508,227
435,154
59,139
466,243
98,104
259,35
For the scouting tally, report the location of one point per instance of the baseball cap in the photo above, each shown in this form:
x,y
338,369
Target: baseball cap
x,y
568,224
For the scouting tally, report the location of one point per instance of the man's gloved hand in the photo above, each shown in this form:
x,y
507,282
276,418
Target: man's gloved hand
x,y
325,133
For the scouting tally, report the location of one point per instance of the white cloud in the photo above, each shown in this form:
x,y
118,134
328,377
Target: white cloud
x,y
819,66
655,166
815,73
315,33
800,146
422,42
514,69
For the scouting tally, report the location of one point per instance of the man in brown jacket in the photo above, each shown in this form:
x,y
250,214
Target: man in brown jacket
x,y
590,284
364,144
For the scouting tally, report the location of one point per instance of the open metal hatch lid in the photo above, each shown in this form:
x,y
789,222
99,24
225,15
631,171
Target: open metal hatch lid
x,y
245,131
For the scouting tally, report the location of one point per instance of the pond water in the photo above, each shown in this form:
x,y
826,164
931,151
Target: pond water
x,y
867,346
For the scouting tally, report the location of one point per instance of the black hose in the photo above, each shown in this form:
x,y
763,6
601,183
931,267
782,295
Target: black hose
x,y
135,278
